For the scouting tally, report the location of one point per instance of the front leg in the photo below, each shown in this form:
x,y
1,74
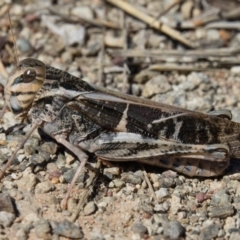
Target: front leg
x,y
82,157
70,129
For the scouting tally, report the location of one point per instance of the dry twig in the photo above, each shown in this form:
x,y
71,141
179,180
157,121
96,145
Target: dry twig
x,y
177,67
95,22
151,21
203,53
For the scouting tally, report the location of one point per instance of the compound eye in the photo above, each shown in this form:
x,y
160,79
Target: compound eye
x,y
29,75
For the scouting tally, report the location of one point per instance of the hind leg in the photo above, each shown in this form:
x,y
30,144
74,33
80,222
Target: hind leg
x,y
191,160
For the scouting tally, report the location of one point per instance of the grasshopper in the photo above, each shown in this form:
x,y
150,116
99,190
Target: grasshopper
x,y
118,127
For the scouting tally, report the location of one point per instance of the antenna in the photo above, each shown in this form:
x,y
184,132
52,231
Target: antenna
x,y
14,41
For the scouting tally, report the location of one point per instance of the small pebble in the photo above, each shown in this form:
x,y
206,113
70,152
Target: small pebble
x,y
69,174
139,228
209,232
118,183
49,147
21,235
162,194
7,203
174,230
67,229
42,229
220,211
147,208
82,11
72,205
90,208
37,159
6,218
44,187
131,178
158,84
31,217
27,182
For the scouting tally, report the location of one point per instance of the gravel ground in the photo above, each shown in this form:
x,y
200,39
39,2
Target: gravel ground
x,y
81,38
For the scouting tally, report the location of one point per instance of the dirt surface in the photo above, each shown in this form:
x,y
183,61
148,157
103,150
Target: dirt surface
x,y
191,61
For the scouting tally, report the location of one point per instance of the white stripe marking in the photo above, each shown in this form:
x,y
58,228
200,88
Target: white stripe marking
x,y
123,122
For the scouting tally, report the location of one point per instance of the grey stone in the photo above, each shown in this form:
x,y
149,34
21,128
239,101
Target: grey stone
x,y
136,89
26,227
111,172
7,203
90,208
118,183
72,205
102,206
6,218
53,169
67,229
220,198
45,155
158,221
50,199
32,141
169,174
4,155
42,229
69,174
173,230
162,194
146,208
69,33
49,147
156,85
23,45
209,232
92,49
84,12
131,178
144,76
167,182
220,211
139,228
29,149
234,236
61,161
96,236
213,34
235,69
28,182
44,187
31,217
21,235
161,208
15,194
67,57
37,159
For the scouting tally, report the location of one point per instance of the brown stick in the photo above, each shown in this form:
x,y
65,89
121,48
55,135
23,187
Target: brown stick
x,y
151,21
221,52
181,68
